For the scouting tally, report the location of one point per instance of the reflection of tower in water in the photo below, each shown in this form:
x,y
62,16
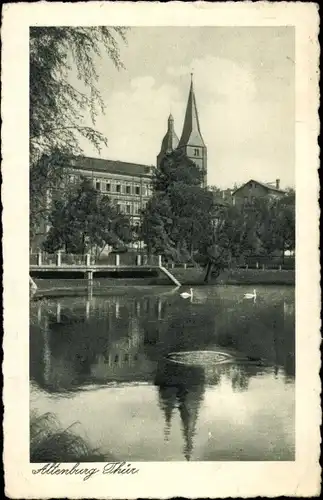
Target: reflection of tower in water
x,y
181,387
167,401
189,399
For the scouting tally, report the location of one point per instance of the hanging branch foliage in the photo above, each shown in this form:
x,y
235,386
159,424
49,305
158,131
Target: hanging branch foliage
x,y
58,109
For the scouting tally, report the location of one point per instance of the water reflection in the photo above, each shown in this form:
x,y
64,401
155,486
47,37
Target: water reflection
x,y
94,341
97,336
181,388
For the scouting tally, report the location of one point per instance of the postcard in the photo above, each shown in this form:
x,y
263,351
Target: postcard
x,y
161,249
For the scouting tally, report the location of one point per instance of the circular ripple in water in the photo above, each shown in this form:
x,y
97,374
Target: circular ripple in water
x,y
199,358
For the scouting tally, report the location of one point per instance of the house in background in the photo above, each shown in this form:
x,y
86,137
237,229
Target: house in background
x,y
253,189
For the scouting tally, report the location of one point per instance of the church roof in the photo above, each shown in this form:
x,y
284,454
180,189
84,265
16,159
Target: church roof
x,y
112,166
170,140
191,135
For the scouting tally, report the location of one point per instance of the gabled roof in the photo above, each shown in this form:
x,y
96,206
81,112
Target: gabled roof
x,y
191,135
111,166
266,186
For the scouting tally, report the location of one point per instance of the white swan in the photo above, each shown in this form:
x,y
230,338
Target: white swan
x,y
251,295
186,295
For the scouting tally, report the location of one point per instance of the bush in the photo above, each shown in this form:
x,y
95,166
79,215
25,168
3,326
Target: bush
x,y
50,443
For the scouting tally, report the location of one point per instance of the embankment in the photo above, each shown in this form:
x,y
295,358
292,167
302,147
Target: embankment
x,y
187,277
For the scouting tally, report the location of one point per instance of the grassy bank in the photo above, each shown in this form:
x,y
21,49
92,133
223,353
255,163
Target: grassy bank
x,y
58,287
194,276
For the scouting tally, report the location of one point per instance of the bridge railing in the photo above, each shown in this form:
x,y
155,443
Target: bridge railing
x,y
59,259
68,259
49,259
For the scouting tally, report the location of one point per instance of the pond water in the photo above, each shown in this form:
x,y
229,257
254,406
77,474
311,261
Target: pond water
x,y
111,367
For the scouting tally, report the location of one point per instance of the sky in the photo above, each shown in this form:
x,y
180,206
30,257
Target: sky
x,y
244,87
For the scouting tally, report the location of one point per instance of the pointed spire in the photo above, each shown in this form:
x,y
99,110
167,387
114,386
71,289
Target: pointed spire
x,y
191,135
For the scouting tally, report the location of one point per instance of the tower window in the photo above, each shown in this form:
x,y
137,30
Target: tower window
x,y
196,152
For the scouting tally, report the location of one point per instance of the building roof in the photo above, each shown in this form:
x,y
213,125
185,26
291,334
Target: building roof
x,y
191,135
112,166
170,141
268,187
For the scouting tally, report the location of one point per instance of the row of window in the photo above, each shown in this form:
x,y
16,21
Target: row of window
x,y
117,188
126,208
120,188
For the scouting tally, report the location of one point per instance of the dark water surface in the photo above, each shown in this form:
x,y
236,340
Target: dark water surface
x,y
102,363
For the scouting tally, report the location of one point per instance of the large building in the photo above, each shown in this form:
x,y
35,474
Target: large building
x,y
129,184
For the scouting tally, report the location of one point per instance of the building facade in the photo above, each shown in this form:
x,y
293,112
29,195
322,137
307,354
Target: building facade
x,y
128,185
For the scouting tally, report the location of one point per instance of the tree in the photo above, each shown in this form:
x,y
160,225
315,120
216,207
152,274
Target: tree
x,y
225,243
286,222
157,226
85,222
176,167
57,107
185,222
47,177
276,223
174,218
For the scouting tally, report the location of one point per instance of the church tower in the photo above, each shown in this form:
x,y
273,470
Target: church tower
x,y
170,141
191,140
